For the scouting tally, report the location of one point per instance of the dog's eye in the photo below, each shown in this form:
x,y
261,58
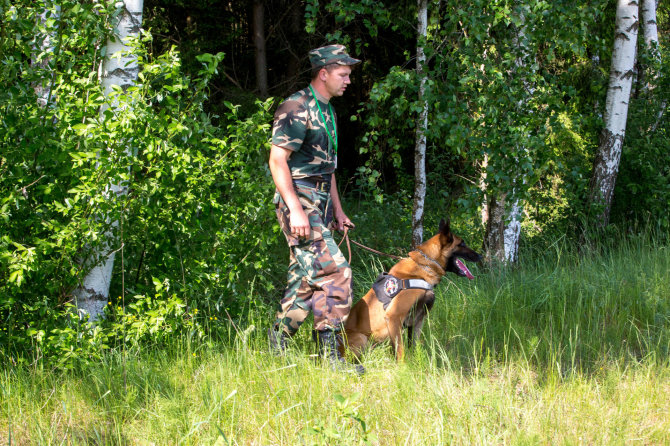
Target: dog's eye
x,y
461,245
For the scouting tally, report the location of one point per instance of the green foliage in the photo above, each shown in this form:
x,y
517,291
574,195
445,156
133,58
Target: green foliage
x,y
520,355
175,182
177,193
500,111
615,311
485,103
153,318
643,184
339,432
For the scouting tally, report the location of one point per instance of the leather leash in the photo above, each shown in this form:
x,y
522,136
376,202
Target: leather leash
x,y
345,235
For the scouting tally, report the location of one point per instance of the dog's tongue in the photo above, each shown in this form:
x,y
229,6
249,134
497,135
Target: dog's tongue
x,y
464,269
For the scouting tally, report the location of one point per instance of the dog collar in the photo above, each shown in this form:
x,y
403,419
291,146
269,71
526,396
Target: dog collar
x,y
387,286
440,270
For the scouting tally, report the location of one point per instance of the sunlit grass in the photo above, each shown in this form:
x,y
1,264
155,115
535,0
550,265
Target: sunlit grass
x,y
247,397
566,348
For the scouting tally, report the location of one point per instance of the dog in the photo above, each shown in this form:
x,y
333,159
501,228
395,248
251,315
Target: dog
x,y
404,295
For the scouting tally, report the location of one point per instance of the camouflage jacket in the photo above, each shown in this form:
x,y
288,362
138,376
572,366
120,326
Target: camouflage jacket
x,y
299,127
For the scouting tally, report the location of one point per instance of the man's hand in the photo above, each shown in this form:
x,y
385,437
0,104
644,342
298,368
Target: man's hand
x,y
341,220
299,223
281,175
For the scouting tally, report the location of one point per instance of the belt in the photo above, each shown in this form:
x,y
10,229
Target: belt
x,y
320,185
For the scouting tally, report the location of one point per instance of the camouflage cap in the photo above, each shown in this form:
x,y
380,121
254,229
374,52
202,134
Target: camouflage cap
x,y
326,55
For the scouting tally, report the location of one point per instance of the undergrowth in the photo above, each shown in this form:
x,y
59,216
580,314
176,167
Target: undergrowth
x,y
566,347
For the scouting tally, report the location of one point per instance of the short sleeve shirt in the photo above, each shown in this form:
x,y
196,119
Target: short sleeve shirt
x,y
299,127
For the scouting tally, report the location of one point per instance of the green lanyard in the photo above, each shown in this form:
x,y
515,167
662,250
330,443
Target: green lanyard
x,y
334,143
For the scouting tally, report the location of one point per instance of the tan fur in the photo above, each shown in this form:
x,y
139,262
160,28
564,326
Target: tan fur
x,y
368,320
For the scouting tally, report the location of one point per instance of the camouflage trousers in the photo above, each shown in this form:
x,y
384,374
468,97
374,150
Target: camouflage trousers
x,y
319,277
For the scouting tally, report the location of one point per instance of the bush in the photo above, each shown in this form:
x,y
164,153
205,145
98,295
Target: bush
x,y
183,197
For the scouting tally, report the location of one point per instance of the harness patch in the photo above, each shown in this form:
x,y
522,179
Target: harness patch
x,y
391,286
386,287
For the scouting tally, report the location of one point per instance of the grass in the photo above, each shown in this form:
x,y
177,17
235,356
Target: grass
x,y
565,348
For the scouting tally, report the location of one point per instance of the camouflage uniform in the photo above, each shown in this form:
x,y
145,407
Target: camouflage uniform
x,y
319,277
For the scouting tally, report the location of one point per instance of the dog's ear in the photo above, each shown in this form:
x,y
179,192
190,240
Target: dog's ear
x,y
444,227
445,230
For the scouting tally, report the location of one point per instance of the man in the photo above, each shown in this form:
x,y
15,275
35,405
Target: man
x,y
303,159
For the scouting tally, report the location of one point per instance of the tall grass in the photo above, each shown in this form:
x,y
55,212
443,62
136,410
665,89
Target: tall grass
x,y
564,311
565,348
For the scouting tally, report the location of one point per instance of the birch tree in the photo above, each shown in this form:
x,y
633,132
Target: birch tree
x,y
512,231
119,69
503,219
421,128
650,33
650,27
44,48
494,239
606,164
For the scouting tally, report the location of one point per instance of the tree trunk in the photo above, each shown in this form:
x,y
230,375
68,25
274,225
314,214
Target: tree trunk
x,y
606,164
494,240
512,232
649,26
650,32
44,47
482,186
294,30
93,293
504,225
259,45
422,125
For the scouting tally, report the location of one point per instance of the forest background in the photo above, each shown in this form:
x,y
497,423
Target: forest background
x,y
516,94
165,173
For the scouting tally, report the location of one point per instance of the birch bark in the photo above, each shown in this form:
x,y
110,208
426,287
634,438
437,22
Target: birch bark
x,y
606,164
93,293
512,232
503,220
650,32
44,47
422,125
649,26
494,240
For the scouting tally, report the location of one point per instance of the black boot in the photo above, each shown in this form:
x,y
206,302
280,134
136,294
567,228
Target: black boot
x,y
278,340
327,342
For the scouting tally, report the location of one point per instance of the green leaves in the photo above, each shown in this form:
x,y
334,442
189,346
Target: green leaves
x,y
351,425
185,200
19,263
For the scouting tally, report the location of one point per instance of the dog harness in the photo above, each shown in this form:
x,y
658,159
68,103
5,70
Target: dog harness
x,y
387,286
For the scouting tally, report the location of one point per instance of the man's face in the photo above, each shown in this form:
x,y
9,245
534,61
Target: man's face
x,y
337,80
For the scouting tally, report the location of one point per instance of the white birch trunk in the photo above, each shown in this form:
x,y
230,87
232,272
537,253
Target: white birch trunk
x,y
512,232
494,241
44,47
650,32
482,186
422,125
122,71
504,221
649,26
606,164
